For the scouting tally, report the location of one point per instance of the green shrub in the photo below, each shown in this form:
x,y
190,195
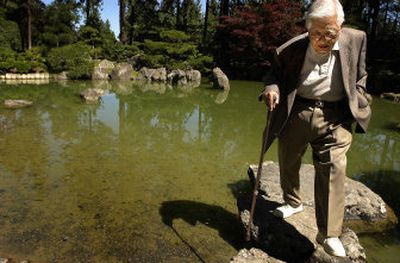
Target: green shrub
x,y
9,34
174,36
25,62
73,58
201,63
173,50
177,64
152,61
81,70
119,53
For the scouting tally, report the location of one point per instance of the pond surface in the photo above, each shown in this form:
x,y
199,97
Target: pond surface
x,y
151,174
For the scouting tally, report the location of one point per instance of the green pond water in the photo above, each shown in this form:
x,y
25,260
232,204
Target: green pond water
x,y
151,174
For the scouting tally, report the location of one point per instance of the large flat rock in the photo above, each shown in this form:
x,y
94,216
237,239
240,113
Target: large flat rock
x,y
293,239
365,211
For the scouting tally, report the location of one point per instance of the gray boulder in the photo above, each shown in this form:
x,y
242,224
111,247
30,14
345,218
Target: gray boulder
x,y
61,76
103,70
293,238
177,77
365,211
193,76
91,95
220,80
151,74
254,255
160,74
134,61
122,71
391,96
15,104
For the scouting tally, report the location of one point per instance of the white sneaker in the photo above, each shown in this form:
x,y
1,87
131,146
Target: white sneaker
x,y
287,210
332,245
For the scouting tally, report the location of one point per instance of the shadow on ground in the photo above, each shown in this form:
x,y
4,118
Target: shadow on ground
x,y
227,224
277,237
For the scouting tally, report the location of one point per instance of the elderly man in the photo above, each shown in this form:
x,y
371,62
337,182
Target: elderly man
x,y
316,90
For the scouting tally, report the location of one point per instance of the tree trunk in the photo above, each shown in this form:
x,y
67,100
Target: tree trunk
x,y
29,25
122,22
385,17
87,11
394,29
178,14
205,30
224,8
132,21
375,6
185,15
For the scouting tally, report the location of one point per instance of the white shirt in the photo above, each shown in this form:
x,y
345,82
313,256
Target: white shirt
x,y
321,76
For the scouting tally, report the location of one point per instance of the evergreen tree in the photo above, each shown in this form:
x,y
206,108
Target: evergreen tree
x,y
91,10
210,21
28,15
142,19
167,13
60,20
123,36
191,17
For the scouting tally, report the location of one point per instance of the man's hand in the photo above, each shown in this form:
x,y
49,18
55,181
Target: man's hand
x,y
271,98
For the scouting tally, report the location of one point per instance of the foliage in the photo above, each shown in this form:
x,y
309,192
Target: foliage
x,y
74,58
247,39
24,62
91,11
119,52
17,11
174,36
61,18
152,61
9,33
201,63
173,50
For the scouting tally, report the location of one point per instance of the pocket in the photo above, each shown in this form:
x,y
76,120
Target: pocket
x,y
361,98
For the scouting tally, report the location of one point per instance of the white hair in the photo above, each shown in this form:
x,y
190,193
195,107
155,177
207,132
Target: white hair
x,y
325,8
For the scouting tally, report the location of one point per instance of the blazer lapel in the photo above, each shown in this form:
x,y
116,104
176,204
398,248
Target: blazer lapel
x,y
299,58
297,62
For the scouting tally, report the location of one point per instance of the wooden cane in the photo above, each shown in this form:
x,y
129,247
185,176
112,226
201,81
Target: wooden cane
x,y
259,171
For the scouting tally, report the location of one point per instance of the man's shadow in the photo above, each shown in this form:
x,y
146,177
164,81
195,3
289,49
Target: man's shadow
x,y
273,232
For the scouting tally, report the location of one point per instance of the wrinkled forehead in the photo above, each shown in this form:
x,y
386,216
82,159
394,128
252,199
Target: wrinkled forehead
x,y
324,23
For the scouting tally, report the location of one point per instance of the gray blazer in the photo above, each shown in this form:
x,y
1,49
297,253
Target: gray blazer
x,y
285,71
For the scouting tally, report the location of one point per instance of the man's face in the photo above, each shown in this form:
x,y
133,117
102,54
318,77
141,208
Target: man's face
x,y
323,34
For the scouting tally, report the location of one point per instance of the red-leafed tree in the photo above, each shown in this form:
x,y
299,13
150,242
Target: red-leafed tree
x,y
247,39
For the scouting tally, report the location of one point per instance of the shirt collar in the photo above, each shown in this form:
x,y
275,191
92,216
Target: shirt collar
x,y
336,46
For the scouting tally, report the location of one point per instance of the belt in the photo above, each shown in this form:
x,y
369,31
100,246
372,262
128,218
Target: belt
x,y
322,104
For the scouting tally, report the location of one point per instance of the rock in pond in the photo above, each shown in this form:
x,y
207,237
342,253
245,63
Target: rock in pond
x,y
177,77
293,239
122,71
391,96
103,70
254,255
153,74
15,104
61,76
220,80
91,95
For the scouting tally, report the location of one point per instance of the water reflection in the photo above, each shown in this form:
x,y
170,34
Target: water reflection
x,y
26,81
87,182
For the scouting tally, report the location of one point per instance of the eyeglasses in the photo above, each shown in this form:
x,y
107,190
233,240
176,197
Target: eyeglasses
x,y
329,35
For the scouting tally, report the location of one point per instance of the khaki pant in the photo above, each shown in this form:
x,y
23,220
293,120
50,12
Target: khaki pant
x,y
328,132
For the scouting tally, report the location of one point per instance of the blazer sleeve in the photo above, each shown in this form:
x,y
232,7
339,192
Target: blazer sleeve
x,y
271,82
361,70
